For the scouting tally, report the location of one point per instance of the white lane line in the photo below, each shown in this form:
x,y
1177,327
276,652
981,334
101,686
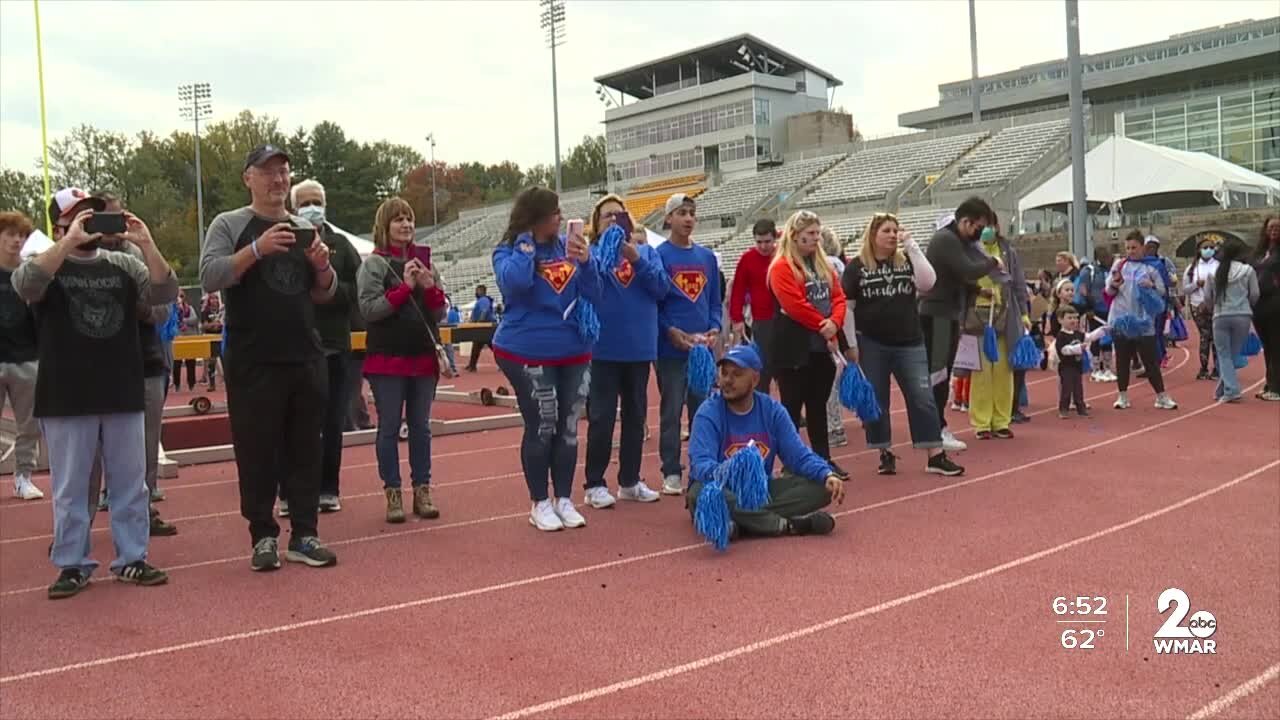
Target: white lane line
x,y
543,578
759,645
1241,692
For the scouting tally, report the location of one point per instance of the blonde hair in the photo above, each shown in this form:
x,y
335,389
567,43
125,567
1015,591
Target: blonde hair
x,y
789,250
591,231
390,209
1071,259
868,252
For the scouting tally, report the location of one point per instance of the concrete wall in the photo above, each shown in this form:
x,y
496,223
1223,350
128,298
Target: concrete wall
x,y
818,130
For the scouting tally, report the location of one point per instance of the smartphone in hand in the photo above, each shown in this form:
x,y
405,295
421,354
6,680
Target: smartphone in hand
x,y
304,238
107,223
575,227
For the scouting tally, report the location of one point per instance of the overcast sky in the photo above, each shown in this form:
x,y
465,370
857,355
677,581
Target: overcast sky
x,y
478,73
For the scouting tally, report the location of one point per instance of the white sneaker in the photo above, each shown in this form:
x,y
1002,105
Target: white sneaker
x,y
543,517
1164,402
950,443
671,485
1096,376
569,514
1122,402
1108,376
25,489
598,497
638,492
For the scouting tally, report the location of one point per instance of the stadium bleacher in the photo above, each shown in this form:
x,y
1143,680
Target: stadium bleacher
x,y
1008,153
739,196
871,174
647,197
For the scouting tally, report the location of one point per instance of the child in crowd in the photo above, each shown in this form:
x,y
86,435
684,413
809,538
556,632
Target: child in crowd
x,y
1072,347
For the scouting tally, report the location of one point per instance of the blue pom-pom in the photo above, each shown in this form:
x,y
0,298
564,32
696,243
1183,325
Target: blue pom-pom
x,y
857,394
1150,301
169,329
701,371
588,323
1177,329
608,248
1025,355
990,347
1252,345
711,515
1086,363
1131,326
745,476
1105,340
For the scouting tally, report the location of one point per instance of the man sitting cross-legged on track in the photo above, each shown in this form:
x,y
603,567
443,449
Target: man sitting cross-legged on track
x,y
735,416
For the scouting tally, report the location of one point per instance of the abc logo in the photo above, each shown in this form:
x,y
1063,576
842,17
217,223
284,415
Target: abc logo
x,y
1203,624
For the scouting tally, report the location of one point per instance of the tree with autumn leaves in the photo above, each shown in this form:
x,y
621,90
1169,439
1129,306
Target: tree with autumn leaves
x,y
155,176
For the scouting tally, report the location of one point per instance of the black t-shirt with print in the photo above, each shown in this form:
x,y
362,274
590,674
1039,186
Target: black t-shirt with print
x,y
270,316
885,305
17,324
90,354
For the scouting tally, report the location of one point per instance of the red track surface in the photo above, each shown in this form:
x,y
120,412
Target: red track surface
x,y
932,598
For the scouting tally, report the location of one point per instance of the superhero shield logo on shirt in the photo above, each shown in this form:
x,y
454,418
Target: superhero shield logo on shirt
x,y
761,446
690,282
624,273
557,273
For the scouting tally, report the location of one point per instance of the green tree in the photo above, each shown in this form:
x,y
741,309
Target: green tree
x,y
23,192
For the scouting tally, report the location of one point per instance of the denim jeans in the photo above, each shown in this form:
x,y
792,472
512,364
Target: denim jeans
x,y
551,400
673,387
909,365
609,382
73,444
1229,334
408,397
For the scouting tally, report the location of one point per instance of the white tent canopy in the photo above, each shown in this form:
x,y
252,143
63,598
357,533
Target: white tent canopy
x,y
1122,168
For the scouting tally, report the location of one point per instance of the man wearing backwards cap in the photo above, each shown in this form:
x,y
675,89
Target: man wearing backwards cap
x,y
735,416
689,314
86,304
276,375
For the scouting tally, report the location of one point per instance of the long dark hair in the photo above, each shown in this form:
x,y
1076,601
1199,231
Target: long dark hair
x,y
1227,254
1263,247
531,206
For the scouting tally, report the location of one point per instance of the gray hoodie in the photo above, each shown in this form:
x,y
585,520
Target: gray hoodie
x,y
1240,295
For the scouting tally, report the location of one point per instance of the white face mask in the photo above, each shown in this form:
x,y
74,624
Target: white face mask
x,y
313,214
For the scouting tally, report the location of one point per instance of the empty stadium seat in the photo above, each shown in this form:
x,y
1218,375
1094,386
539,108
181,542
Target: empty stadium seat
x,y
871,174
1008,153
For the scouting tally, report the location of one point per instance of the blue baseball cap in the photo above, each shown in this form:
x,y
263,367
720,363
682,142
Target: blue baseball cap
x,y
744,356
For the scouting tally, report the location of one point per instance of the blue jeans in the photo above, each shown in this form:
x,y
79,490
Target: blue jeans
x,y
410,398
609,382
673,386
909,365
551,400
1229,334
72,443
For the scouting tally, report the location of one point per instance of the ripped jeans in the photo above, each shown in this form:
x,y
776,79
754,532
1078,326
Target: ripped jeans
x,y
551,399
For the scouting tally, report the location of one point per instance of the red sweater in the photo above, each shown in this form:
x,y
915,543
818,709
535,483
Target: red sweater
x,y
751,278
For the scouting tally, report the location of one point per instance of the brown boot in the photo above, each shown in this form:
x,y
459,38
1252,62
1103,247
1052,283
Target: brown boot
x,y
395,506
422,505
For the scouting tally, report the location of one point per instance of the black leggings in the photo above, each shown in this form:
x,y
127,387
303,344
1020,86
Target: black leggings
x,y
1144,348
1268,328
809,386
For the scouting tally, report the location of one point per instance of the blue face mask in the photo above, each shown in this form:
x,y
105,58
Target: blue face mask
x,y
988,234
313,214
1207,253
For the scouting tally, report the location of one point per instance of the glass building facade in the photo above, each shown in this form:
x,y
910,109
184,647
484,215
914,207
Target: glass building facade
x,y
1242,127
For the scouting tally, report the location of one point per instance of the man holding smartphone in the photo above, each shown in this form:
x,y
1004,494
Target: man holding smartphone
x,y
86,304
271,272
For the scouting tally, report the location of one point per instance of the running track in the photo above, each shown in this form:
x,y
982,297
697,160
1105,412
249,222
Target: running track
x,y
932,598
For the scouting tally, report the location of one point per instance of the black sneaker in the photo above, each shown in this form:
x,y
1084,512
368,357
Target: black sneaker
x,y
140,573
940,464
70,582
888,463
815,523
837,470
1020,417
309,550
1202,375
266,554
160,528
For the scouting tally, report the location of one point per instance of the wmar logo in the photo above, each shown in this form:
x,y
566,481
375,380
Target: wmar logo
x,y
1173,638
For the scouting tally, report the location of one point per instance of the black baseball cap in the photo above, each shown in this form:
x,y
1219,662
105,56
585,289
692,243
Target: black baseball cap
x,y
263,153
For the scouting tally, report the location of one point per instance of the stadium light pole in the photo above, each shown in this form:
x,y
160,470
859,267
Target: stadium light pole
x,y
553,23
1081,238
194,102
435,213
973,61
